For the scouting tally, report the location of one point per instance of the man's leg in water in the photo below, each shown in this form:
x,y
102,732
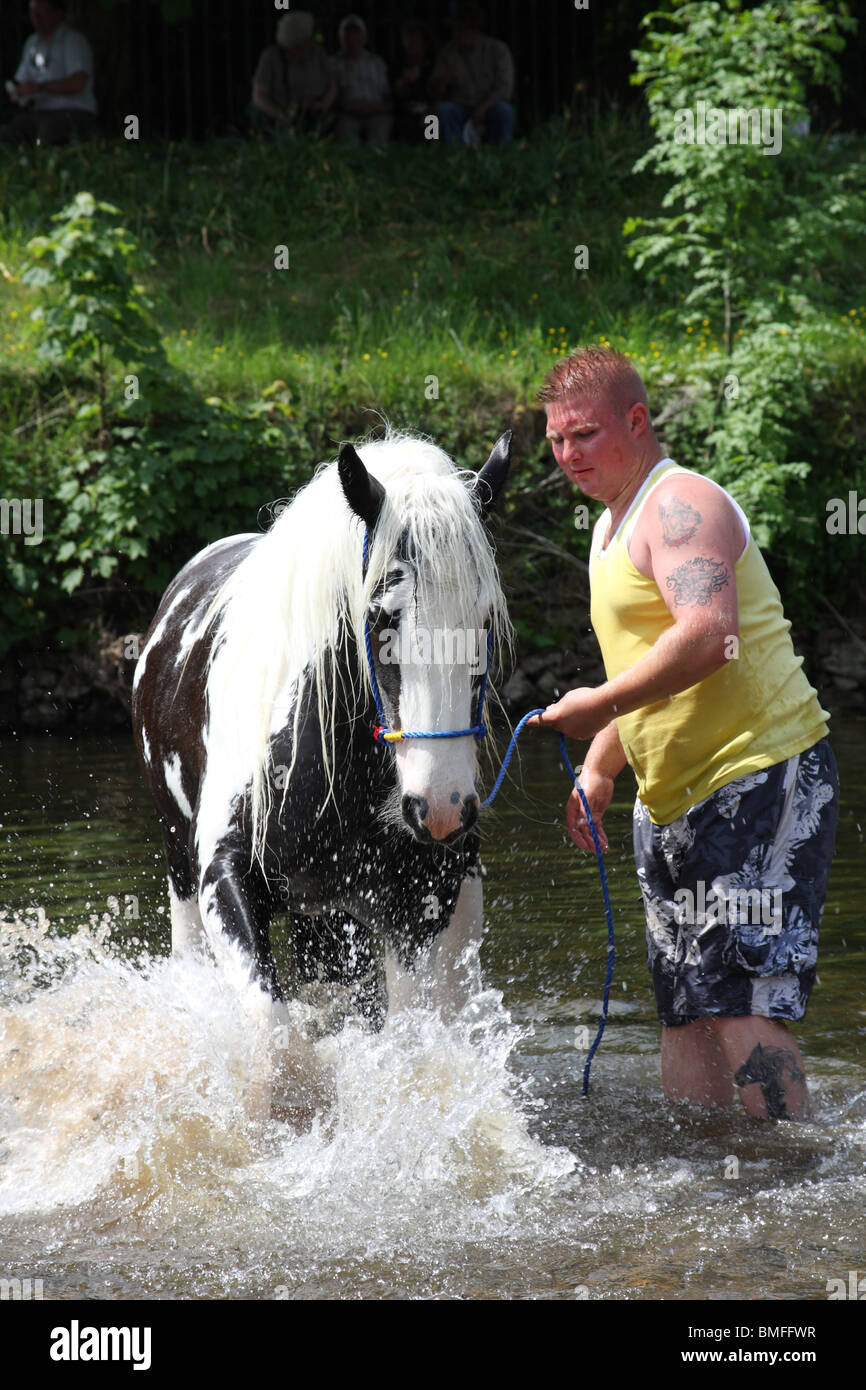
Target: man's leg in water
x,y
707,1060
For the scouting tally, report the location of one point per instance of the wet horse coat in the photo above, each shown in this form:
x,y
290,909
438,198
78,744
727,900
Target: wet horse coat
x,y
253,707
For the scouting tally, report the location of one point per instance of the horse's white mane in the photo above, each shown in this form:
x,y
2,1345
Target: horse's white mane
x,y
286,609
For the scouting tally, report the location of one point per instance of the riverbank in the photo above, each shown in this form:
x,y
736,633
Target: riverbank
x,y
431,290
89,688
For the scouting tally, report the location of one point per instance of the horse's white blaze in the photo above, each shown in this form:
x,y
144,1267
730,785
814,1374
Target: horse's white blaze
x,y
436,696
171,771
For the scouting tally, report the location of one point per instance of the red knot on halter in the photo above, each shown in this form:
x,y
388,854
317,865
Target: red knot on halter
x,y
381,732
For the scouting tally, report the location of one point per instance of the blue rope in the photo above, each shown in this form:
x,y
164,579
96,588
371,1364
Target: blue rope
x,y
599,856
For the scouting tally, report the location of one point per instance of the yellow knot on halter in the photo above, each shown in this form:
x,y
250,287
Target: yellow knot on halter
x,y
384,735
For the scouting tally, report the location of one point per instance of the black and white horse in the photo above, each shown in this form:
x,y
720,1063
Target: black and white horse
x,y
253,708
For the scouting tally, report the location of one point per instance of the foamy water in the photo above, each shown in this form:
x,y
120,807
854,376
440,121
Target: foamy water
x,y
160,1137
169,1086
164,1133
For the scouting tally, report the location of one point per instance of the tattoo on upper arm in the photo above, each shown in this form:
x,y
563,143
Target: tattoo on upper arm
x,y
697,580
680,521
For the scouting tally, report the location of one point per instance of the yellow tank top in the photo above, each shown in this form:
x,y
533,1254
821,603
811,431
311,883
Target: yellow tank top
x,y
756,710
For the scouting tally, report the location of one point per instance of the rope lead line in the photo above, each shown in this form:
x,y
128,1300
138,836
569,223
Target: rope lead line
x,y
599,856
382,734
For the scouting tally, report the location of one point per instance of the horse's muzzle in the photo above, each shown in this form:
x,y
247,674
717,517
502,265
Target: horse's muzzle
x,y
429,828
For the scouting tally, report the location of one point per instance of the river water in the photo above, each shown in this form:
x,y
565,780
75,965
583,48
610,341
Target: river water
x,y
141,1155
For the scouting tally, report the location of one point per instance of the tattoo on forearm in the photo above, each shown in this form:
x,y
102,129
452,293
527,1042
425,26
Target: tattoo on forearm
x,y
680,521
697,580
774,1069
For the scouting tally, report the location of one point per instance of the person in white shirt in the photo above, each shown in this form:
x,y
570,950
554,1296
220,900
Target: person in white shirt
x,y
53,83
363,89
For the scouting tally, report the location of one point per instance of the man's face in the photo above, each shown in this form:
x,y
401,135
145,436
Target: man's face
x,y
466,34
44,17
353,41
597,446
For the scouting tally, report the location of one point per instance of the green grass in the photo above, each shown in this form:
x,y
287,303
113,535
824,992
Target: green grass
x,y
403,264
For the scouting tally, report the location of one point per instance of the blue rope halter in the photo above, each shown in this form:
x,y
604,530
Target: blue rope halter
x,y
383,734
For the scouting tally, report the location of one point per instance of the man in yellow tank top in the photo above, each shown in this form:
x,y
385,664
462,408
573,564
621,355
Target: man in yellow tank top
x,y
705,699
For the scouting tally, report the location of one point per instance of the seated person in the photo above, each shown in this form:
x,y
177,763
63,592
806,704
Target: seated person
x,y
363,91
473,81
53,84
292,83
411,85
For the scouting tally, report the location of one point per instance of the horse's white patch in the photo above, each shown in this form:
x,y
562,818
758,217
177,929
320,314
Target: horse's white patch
x,y
192,633
197,627
171,772
156,636
398,594
145,745
449,973
186,923
224,783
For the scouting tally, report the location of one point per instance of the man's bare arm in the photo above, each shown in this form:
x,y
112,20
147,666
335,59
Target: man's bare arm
x,y
688,540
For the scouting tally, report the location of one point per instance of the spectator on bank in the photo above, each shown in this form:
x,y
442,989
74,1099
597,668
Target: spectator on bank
x,y
293,85
53,84
363,90
473,83
412,82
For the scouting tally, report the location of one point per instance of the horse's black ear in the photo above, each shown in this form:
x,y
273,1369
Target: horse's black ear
x,y
364,493
490,479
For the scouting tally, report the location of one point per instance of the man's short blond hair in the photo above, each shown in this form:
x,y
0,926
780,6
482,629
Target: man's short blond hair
x,y
598,373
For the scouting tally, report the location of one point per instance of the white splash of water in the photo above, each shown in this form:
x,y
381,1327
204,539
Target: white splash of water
x,y
173,1083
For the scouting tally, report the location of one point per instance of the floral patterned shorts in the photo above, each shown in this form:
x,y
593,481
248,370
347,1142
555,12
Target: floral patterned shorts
x,y
734,891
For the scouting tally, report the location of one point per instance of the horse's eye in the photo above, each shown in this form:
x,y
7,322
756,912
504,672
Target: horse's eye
x,y
381,616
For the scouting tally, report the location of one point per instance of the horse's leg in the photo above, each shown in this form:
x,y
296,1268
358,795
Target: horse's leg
x,y
187,929
186,924
448,973
336,949
235,903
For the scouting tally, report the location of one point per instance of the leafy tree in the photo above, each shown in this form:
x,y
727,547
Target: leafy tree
x,y
754,242
164,463
724,198
96,308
